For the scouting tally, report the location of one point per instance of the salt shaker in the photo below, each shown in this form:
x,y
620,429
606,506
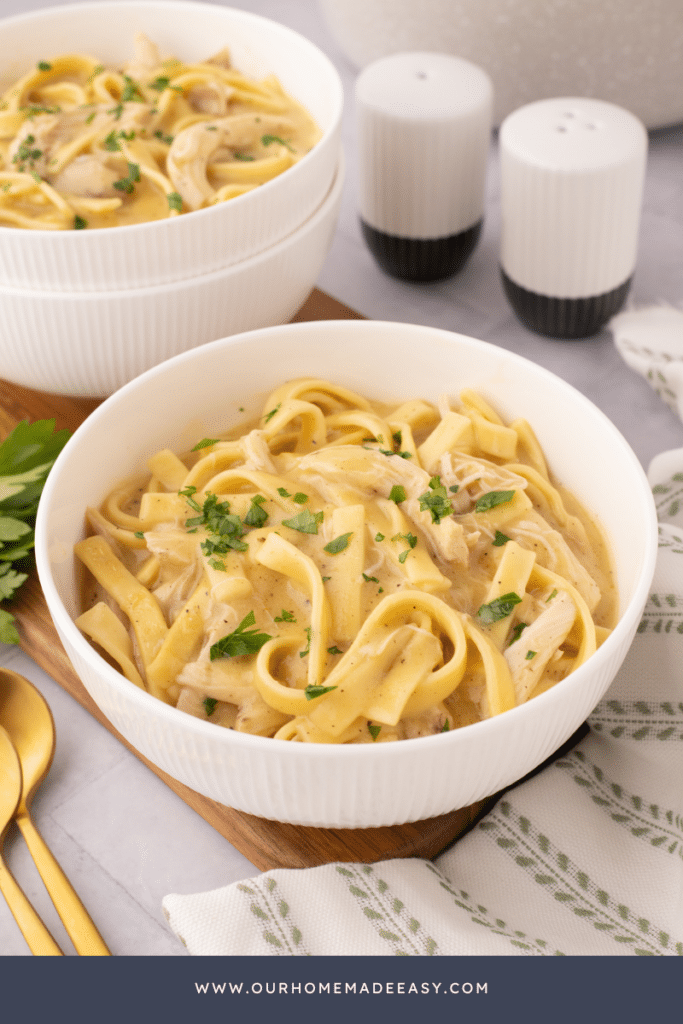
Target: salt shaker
x,y
572,174
424,131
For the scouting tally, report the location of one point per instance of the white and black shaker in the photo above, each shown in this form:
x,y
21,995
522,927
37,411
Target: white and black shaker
x,y
423,133
572,173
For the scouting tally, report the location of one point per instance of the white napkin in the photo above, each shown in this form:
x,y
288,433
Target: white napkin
x,y
650,340
586,858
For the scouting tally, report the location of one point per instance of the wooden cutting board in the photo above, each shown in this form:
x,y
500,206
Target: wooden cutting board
x,y
267,844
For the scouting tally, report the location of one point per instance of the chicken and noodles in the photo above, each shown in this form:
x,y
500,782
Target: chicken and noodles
x,y
348,572
88,146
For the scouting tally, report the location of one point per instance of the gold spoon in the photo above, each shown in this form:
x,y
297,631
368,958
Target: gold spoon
x,y
27,718
34,931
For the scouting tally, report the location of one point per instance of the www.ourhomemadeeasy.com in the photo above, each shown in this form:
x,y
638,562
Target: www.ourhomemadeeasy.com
x,y
340,988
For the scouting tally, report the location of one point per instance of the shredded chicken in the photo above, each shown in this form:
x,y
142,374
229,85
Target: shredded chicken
x,y
528,656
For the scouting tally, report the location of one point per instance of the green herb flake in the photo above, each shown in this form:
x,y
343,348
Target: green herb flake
x,y
241,641
500,539
206,442
517,632
379,537
79,223
492,499
175,201
269,415
339,543
300,498
313,691
446,727
127,184
283,492
268,140
160,83
220,523
334,650
166,139
131,91
44,66
498,609
256,516
285,616
397,494
209,705
307,649
374,731
529,655
139,534
435,501
111,142
554,594
242,156
305,522
370,579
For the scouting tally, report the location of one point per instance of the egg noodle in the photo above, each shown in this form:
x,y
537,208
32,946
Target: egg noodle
x,y
84,146
348,573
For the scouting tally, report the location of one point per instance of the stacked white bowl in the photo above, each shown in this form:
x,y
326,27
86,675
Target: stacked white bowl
x,y
83,312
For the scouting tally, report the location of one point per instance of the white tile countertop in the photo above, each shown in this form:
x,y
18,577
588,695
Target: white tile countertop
x,y
126,840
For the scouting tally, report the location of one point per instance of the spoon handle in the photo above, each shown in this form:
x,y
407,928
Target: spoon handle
x,y
39,940
79,926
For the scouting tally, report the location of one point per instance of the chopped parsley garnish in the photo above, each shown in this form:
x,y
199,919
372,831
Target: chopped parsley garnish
x,y
111,142
529,655
44,66
242,156
139,534
492,499
26,457
379,537
215,516
209,705
160,83
269,415
307,648
554,594
283,493
131,91
370,579
498,609
175,201
256,516
339,543
374,731
241,641
500,539
116,111
27,153
517,632
312,691
166,139
206,442
446,727
454,488
397,494
334,650
267,140
285,616
300,498
127,185
436,501
79,223
305,522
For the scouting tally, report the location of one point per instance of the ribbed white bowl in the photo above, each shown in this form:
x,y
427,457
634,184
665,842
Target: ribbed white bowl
x,y
224,384
141,255
89,344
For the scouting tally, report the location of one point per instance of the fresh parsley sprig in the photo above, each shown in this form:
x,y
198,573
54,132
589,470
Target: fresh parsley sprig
x,y
26,457
241,641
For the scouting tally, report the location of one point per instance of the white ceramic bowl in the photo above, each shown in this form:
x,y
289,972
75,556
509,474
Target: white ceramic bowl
x,y
320,784
141,255
89,344
627,52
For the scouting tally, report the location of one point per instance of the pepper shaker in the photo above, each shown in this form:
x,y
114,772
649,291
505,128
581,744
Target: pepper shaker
x,y
424,130
572,174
